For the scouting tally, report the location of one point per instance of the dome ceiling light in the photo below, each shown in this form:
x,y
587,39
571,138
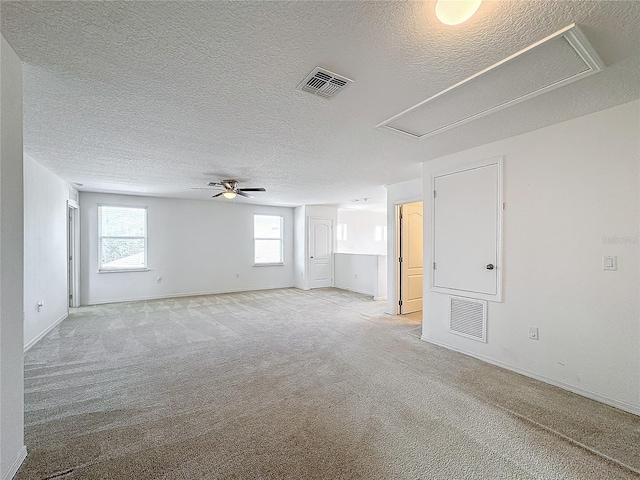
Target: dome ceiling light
x,y
455,12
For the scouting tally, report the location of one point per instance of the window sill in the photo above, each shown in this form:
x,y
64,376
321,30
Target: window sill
x,y
268,264
124,270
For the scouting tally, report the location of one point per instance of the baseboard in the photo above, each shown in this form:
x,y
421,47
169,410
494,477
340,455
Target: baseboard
x,y
44,332
362,292
180,295
13,469
379,299
627,407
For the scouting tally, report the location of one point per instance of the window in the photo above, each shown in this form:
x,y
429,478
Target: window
x,y
267,237
342,232
122,238
381,233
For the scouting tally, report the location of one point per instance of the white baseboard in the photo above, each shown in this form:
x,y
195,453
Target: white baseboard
x,y
13,469
627,407
355,290
44,332
180,295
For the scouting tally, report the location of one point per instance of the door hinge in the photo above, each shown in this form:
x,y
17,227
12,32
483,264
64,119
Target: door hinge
x,y
400,259
400,303
504,205
434,194
70,258
70,297
434,265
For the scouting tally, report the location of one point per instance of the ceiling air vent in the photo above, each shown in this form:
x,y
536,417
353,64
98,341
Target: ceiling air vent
x,y
323,83
555,61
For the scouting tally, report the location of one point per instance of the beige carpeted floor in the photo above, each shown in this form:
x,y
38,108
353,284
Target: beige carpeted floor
x,y
297,385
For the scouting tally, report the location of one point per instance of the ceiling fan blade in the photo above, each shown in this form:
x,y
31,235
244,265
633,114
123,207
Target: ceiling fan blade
x,y
251,190
214,184
202,188
241,193
217,195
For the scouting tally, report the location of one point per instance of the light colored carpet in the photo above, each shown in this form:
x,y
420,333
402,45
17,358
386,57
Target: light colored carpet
x,y
297,385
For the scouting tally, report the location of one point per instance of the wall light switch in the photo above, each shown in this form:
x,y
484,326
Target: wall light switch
x,y
610,262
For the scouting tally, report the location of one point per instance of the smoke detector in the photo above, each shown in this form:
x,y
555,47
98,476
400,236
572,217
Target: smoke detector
x,y
323,83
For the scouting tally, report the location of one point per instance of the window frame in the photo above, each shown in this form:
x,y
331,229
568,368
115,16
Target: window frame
x,y
383,233
145,268
268,264
342,234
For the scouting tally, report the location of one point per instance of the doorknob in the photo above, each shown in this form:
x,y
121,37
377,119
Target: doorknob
x,y
311,257
490,266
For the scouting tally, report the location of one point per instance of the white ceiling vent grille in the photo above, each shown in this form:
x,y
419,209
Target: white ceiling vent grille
x,y
468,317
555,61
323,83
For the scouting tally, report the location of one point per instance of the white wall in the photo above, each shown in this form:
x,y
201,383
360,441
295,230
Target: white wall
x,y
570,190
196,246
12,449
397,193
45,250
361,227
362,273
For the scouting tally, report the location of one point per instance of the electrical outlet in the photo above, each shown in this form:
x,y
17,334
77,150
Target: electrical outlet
x,y
356,276
533,333
237,275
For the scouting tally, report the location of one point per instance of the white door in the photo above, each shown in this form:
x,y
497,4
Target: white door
x,y
467,212
411,266
320,252
71,256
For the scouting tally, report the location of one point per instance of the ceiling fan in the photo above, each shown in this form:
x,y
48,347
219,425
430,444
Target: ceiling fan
x,y
230,189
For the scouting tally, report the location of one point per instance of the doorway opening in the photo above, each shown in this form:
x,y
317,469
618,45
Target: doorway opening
x,y
73,253
409,254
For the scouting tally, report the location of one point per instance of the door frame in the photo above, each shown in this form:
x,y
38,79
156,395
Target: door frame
x,y
73,253
499,161
398,250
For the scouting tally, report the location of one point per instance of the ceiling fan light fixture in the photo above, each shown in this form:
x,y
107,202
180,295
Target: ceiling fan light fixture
x,y
455,12
229,195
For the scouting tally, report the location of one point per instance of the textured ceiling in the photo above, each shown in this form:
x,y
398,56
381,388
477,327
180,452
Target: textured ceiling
x,y
156,97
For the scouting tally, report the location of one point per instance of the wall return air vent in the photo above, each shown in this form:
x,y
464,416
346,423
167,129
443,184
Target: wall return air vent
x,y
323,83
468,317
555,61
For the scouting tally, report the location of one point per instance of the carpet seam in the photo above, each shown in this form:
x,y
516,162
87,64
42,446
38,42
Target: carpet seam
x,y
570,440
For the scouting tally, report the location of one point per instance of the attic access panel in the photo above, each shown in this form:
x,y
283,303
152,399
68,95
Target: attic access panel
x,y
555,61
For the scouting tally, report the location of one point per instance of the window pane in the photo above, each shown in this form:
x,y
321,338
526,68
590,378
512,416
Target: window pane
x,y
342,232
123,221
268,251
122,253
267,226
381,233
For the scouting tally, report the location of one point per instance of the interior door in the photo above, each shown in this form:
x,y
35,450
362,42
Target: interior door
x,y
70,255
411,254
466,237
320,252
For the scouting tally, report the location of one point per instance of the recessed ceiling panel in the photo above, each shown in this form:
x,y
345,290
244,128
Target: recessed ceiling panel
x,y
557,60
